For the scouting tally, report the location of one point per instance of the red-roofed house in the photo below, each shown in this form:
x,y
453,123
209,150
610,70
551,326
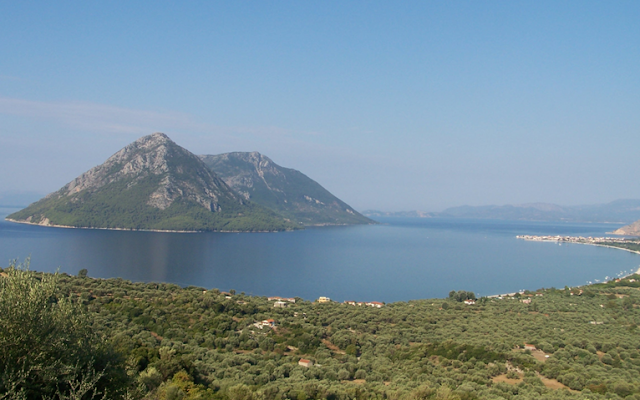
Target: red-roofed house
x,y
269,323
305,363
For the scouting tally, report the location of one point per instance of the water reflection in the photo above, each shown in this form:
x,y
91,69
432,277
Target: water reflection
x,y
402,260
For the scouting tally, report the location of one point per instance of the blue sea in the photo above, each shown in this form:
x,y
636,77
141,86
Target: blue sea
x,y
398,260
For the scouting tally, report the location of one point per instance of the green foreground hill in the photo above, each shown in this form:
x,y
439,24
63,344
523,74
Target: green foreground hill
x,y
283,190
197,343
151,184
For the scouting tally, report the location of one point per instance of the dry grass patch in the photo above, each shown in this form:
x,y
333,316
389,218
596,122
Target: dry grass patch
x,y
540,355
503,379
332,347
356,381
553,384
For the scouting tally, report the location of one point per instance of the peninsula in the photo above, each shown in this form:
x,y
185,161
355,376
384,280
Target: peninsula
x,y
632,245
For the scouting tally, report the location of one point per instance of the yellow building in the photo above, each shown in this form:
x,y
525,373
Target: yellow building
x,y
323,299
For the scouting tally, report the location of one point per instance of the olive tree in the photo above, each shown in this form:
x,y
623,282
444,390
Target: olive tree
x,y
48,346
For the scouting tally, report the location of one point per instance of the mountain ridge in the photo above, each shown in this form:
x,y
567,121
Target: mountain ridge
x,y
284,190
623,211
151,184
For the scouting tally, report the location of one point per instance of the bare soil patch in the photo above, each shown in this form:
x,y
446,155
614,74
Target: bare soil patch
x,y
503,379
539,355
332,347
356,381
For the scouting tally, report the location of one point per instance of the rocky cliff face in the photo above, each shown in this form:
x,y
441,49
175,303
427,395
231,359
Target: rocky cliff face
x,y
283,190
150,184
157,155
629,230
258,171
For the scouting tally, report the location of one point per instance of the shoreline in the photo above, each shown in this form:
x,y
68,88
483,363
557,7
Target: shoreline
x,y
617,248
589,241
303,227
135,230
569,240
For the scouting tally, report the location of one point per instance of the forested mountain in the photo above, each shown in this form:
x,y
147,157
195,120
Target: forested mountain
x,y
283,190
161,341
151,184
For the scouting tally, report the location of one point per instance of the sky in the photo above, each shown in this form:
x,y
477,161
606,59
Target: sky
x,y
389,105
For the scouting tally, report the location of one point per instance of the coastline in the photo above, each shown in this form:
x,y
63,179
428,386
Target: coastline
x,y
581,240
617,248
134,230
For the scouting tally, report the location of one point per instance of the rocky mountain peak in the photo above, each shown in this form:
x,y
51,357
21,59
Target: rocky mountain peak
x,y
155,175
148,154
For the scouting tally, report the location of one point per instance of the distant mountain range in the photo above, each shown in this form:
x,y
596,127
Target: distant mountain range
x,y
619,211
155,184
286,191
399,214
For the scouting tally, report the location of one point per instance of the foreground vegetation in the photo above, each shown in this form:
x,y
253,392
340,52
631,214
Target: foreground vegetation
x,y
78,337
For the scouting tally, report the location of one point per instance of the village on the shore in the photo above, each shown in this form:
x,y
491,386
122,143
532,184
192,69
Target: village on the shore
x,y
577,239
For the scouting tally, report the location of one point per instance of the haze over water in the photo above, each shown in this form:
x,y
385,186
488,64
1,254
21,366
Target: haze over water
x,y
400,259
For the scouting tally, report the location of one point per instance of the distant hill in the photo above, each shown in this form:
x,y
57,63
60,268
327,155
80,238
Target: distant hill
x,y
629,230
283,190
151,184
399,214
619,211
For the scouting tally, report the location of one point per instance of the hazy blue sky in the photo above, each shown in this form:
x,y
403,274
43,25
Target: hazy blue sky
x,y
390,105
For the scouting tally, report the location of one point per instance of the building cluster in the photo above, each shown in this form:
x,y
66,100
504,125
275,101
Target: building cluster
x,y
516,295
281,302
287,299
267,323
375,304
576,239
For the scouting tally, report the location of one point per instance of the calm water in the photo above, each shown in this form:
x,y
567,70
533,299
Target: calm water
x,y
401,259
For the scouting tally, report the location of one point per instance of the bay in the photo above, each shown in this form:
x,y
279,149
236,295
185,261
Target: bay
x,y
398,260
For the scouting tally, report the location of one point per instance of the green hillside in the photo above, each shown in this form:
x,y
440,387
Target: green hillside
x,y
118,206
197,343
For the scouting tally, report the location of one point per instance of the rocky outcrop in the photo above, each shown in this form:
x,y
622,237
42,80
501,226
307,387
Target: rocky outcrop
x,y
286,191
629,230
156,155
